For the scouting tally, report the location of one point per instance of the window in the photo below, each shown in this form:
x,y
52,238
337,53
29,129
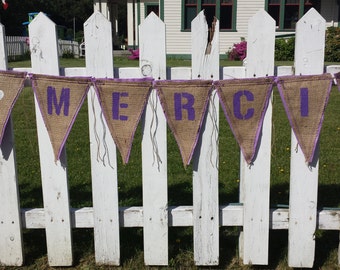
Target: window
x,y
224,10
151,8
287,12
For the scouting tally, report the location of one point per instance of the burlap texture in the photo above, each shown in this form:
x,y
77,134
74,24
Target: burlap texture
x,y
11,84
305,99
245,102
59,110
184,122
337,78
123,102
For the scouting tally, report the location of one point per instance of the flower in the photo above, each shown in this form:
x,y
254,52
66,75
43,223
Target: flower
x,y
239,51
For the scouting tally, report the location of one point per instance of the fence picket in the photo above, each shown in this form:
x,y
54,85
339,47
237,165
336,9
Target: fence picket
x,y
205,159
11,250
44,58
309,57
152,63
255,179
99,63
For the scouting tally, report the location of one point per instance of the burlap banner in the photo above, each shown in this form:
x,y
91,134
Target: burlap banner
x,y
123,102
245,102
59,99
337,77
11,84
184,104
305,99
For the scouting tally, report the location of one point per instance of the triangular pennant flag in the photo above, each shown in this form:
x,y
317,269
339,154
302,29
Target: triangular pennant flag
x,y
59,99
337,78
305,99
245,102
184,104
11,84
123,102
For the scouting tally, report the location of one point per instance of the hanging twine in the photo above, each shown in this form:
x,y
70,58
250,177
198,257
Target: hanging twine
x,y
154,123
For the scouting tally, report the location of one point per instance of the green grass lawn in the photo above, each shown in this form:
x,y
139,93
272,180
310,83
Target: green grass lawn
x,y
180,185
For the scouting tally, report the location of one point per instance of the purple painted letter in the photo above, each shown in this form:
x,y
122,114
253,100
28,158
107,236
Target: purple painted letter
x,y
116,105
187,106
237,104
52,100
304,102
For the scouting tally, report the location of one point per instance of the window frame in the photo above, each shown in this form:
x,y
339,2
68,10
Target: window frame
x,y
282,8
217,4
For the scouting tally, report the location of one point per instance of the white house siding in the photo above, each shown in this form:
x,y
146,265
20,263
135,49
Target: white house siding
x,y
179,42
245,10
139,18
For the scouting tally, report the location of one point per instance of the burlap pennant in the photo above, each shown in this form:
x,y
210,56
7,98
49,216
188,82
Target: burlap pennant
x,y
123,102
245,102
305,99
11,84
184,104
337,78
59,99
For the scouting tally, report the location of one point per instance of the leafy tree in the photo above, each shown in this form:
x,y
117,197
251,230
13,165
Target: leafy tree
x,y
63,12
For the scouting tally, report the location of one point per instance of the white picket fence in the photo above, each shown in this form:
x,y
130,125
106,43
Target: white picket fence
x,y
253,213
17,46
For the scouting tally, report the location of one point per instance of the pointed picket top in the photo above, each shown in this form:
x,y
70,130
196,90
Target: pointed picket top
x,y
260,45
99,63
96,29
11,252
205,52
255,194
309,60
45,60
152,63
151,33
43,45
310,43
205,65
199,37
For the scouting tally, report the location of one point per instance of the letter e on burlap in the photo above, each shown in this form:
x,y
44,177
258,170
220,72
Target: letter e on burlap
x,y
123,102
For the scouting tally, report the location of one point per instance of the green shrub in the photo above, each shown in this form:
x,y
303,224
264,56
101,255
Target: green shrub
x,y
284,49
68,54
332,48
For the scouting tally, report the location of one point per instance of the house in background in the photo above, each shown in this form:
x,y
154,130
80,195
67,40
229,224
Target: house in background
x,y
109,8
232,14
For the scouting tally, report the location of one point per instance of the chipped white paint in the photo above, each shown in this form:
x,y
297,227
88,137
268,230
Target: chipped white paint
x,y
152,63
255,179
309,57
99,63
44,58
11,251
205,65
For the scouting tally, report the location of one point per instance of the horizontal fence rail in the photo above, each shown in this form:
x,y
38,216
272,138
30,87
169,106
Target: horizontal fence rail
x,y
252,212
